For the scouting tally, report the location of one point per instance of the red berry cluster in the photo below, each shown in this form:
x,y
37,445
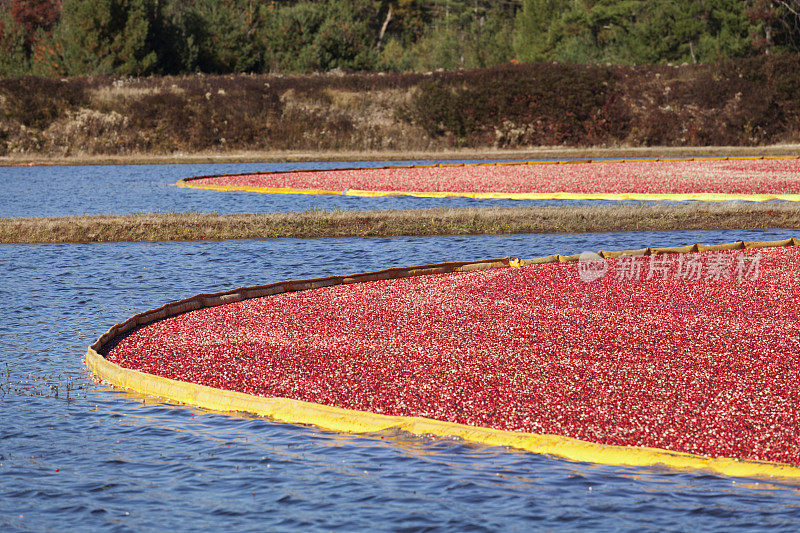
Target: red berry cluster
x,y
701,365
767,176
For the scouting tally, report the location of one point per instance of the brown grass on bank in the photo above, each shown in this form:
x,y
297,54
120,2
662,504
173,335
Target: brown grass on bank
x,y
742,102
284,156
470,221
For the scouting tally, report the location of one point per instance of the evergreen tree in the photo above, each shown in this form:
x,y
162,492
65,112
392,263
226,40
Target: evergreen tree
x,y
463,34
668,31
179,36
726,30
631,31
404,20
13,47
228,35
347,36
598,31
139,37
536,24
289,37
108,37
489,40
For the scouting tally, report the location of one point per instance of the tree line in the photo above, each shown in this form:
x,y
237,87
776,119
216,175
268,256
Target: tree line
x,y
143,37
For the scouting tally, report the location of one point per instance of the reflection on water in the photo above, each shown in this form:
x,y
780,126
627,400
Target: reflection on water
x,y
75,453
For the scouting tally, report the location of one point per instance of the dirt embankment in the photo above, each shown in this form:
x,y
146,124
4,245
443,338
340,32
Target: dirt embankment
x,y
751,102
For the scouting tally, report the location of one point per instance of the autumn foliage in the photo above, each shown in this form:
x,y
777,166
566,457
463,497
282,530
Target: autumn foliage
x,y
34,15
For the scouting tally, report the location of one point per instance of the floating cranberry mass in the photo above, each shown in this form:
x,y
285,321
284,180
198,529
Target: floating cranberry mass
x,y
743,177
696,353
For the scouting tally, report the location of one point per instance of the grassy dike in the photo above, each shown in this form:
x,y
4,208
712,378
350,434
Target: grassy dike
x,y
284,156
469,221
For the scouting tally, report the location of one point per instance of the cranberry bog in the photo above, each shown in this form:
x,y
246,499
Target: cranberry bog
x,y
704,179
685,357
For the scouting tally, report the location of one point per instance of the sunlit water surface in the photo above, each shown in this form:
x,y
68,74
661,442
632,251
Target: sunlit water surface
x,y
124,189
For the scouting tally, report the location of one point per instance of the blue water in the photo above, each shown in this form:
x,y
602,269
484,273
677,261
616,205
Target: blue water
x,y
124,189
77,454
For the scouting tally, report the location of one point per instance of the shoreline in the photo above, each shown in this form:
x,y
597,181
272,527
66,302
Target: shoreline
x,y
394,155
395,223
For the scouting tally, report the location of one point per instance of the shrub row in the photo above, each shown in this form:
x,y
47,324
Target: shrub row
x,y
741,102
751,101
